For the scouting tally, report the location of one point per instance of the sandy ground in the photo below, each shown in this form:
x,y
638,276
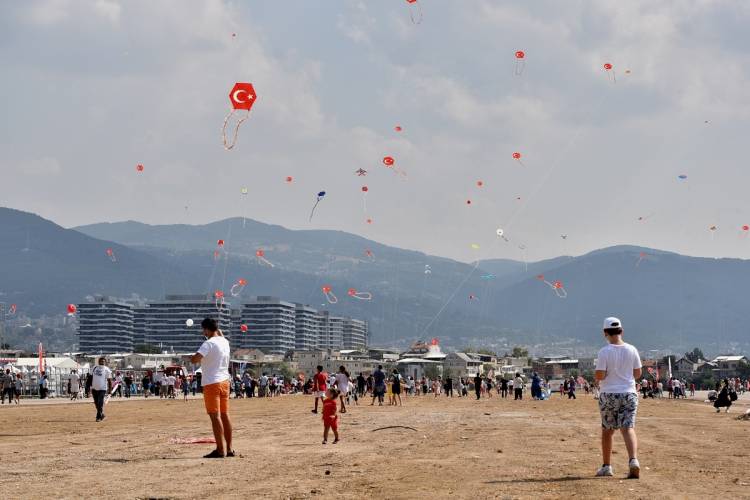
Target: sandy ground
x,y
462,448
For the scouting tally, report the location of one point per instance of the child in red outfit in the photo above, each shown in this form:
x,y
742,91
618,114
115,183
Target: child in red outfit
x,y
330,419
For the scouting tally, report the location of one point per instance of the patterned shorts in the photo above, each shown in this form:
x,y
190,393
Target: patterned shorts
x,y
618,410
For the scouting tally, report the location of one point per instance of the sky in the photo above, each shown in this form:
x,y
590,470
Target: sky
x,y
94,88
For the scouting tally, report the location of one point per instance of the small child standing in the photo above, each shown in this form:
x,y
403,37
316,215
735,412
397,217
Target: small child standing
x,y
330,419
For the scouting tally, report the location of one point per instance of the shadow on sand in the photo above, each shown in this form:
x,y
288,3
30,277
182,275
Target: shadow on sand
x,y
542,480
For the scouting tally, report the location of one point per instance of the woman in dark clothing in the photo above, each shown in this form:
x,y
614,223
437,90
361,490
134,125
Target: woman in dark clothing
x,y
723,398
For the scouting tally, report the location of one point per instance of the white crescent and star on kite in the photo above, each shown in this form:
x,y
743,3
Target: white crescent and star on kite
x,y
236,93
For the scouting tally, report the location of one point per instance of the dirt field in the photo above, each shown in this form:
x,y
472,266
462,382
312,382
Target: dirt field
x,y
462,449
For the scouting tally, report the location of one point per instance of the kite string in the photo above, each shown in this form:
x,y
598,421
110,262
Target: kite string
x,y
553,167
236,129
450,299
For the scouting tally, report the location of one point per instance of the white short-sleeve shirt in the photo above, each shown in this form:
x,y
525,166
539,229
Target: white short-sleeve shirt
x,y
619,361
215,362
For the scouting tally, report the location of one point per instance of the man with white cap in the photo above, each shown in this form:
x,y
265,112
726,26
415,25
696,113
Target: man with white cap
x,y
618,366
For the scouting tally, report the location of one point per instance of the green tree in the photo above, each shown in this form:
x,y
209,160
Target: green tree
x,y
665,360
695,355
431,371
286,371
520,352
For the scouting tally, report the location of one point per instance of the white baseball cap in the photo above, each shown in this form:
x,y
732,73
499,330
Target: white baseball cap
x,y
612,322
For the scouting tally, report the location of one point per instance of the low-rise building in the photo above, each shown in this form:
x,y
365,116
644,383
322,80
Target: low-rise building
x,y
728,366
417,367
461,364
331,360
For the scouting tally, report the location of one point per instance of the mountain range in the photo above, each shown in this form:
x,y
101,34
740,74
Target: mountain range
x,y
665,300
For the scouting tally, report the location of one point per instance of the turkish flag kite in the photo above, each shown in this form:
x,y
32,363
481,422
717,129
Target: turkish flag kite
x,y
242,96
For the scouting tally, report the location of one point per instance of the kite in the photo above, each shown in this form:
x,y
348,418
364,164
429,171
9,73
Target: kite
x,y
473,297
111,255
415,11
641,256
189,323
389,162
139,168
468,202
219,299
321,194
12,310
556,286
397,128
238,287
72,309
610,72
487,276
365,189
474,246
480,183
261,256
243,190
427,269
520,62
517,157
501,234
359,295
219,249
243,328
361,172
682,177
328,292
242,97
289,179
368,252
369,221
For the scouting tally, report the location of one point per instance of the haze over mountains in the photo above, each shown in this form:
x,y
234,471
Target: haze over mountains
x,y
666,300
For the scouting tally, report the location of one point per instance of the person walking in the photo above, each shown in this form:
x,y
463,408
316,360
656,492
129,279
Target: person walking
x,y
618,366
101,385
18,387
8,386
536,386
75,385
213,356
503,387
572,388
478,385
128,381
378,381
320,386
342,384
396,387
518,387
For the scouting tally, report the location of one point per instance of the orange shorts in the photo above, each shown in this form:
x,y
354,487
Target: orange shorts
x,y
216,397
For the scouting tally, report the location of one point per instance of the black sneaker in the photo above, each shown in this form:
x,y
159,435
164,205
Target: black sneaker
x,y
230,453
214,454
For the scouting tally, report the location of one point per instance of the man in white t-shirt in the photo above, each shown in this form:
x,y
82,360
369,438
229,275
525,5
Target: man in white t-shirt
x,y
101,385
618,366
342,384
75,384
213,356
